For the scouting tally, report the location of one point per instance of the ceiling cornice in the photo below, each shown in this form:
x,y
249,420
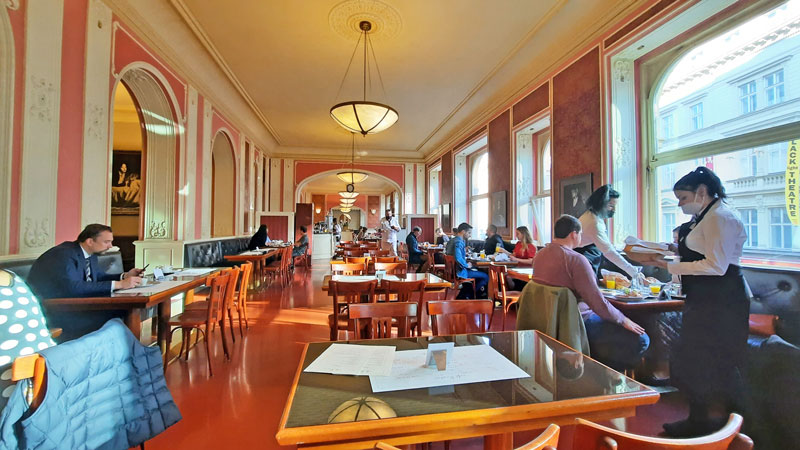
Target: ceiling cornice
x,y
582,43
252,127
343,154
205,40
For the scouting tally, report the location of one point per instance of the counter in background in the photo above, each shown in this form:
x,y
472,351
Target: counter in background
x,y
323,246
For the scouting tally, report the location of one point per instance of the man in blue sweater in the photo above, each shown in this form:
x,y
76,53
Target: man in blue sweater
x,y
456,247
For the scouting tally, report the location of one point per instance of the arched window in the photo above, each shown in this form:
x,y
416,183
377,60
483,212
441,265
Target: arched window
x,y
479,194
729,103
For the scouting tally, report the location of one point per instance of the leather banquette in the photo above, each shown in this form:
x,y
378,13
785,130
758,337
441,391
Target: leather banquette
x,y
110,262
212,253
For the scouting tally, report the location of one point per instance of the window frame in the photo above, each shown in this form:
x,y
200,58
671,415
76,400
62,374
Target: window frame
x,y
781,85
472,161
751,96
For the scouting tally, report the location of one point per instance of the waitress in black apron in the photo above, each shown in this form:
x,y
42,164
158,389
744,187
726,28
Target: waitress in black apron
x,y
595,244
707,361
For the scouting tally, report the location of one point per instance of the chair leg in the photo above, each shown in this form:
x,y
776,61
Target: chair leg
x,y
239,313
183,343
166,352
208,351
230,321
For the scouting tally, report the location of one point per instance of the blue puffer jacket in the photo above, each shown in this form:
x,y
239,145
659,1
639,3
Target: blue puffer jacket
x,y
104,391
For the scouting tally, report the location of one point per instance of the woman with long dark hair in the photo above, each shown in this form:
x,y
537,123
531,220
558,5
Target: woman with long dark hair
x,y
707,361
595,244
260,239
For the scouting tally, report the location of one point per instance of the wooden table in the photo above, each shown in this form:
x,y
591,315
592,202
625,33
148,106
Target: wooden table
x,y
257,258
521,273
483,263
562,386
648,305
434,283
133,304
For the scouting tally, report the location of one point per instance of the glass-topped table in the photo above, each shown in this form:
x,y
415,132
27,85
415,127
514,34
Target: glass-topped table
x,y
562,386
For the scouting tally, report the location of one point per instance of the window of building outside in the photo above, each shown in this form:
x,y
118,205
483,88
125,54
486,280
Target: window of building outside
x,y
667,126
542,204
479,194
697,116
433,190
754,62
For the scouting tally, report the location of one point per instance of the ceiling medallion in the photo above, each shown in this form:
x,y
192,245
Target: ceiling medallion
x,y
345,18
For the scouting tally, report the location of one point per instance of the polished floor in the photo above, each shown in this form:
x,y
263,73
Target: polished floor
x,y
241,405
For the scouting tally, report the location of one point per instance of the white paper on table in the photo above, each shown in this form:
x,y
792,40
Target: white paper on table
x,y
469,364
630,240
354,278
151,288
353,359
194,271
391,278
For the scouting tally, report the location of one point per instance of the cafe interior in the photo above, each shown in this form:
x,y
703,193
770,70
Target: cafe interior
x,y
329,199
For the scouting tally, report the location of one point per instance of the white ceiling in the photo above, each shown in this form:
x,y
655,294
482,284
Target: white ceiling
x,y
446,64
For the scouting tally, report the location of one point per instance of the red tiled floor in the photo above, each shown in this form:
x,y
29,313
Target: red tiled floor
x,y
241,405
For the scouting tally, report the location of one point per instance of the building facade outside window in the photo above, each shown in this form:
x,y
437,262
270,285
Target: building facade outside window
x,y
749,153
479,194
667,127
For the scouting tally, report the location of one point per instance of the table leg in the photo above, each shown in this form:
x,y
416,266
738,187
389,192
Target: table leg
x,y
164,313
503,441
133,320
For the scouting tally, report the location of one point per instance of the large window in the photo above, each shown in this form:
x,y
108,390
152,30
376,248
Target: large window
x,y
533,179
434,187
734,72
479,194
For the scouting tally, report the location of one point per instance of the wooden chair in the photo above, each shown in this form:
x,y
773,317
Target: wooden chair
x,y
459,316
386,259
376,319
280,268
436,269
376,253
404,290
591,436
348,269
402,250
304,258
355,252
356,260
396,268
240,297
545,441
200,320
344,294
498,292
230,299
450,274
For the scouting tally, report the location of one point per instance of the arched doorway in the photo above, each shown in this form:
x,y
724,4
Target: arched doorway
x,y
223,182
158,122
127,176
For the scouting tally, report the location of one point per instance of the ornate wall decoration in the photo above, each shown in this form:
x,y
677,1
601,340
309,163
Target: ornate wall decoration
x,y
622,71
96,121
43,99
157,230
623,157
12,4
37,233
345,17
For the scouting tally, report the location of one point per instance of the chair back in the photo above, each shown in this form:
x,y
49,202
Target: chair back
x,y
405,293
345,293
386,259
230,290
380,317
244,282
348,269
375,252
357,252
356,259
459,316
450,268
497,281
591,436
397,268
216,298
546,441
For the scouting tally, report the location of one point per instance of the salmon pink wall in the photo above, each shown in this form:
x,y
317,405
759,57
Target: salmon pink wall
x,y
70,153
373,202
217,123
278,227
306,169
17,19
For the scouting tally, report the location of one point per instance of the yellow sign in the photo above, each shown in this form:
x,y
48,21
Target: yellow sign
x,y
792,179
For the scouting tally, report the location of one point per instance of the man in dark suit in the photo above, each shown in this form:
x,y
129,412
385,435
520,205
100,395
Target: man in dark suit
x,y
71,269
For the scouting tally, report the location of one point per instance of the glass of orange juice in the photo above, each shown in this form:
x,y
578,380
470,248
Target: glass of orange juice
x,y
611,283
655,288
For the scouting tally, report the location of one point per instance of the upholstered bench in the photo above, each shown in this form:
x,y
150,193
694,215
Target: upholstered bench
x,y
110,262
211,253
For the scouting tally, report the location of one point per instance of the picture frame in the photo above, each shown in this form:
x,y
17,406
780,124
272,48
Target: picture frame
x,y
499,212
126,182
574,192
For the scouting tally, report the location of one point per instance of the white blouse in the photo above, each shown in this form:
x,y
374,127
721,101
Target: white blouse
x,y
720,236
595,232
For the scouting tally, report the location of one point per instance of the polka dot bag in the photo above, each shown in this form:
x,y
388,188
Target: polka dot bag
x,y
23,329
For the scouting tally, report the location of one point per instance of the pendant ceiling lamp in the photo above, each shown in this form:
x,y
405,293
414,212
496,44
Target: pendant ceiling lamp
x,y
347,201
345,194
352,176
344,210
361,116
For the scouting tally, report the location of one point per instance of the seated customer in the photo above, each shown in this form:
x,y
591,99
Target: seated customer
x,y
492,240
614,339
457,248
302,243
523,254
71,269
441,237
260,239
415,255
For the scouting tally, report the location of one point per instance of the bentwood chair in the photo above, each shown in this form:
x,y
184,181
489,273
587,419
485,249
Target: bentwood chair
x,y
344,294
591,436
450,274
240,298
202,305
459,316
405,290
200,320
498,292
348,269
356,259
548,440
376,319
436,269
355,252
376,253
386,259
396,268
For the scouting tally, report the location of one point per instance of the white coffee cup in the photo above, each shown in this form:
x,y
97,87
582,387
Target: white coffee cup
x,y
144,281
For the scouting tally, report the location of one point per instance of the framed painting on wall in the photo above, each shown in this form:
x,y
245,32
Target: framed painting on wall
x,y
126,182
574,193
499,209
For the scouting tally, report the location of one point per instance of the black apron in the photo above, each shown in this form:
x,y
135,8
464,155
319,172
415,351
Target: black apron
x,y
709,355
593,255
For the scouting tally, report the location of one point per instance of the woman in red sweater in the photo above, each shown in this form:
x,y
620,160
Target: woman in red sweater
x,y
523,254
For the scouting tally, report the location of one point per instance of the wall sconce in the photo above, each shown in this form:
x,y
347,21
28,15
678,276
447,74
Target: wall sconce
x,y
373,211
318,210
